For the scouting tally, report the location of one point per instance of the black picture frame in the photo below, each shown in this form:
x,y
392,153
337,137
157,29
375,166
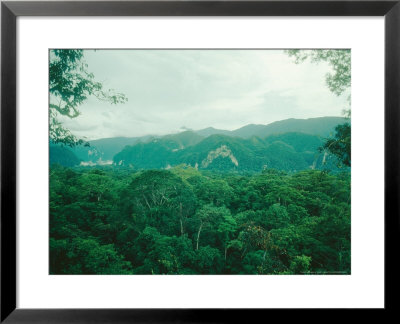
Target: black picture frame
x,y
10,10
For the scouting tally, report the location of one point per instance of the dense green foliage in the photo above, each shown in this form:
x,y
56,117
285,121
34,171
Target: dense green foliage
x,y
185,221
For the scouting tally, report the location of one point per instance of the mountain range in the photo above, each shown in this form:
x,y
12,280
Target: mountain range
x,y
290,145
321,126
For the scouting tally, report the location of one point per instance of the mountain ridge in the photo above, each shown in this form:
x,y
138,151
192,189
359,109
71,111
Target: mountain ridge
x,y
192,147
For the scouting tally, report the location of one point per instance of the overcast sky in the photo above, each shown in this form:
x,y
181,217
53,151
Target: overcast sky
x,y
170,90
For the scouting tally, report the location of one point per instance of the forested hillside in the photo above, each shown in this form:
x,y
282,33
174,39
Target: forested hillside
x,y
103,150
288,152
62,155
186,221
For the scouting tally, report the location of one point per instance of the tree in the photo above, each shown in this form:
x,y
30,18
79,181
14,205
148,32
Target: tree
x,y
85,256
212,191
300,264
70,85
277,217
226,229
162,254
339,59
257,242
338,82
208,260
162,198
340,144
211,216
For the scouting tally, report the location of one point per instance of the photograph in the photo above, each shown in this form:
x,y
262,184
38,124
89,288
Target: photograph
x,y
199,161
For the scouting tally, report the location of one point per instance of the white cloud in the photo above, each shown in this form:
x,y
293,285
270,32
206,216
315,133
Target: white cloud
x,y
200,88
